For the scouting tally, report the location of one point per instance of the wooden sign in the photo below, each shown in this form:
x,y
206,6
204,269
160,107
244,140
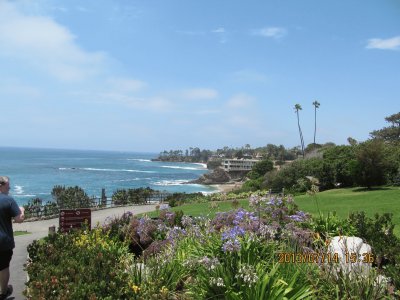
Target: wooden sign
x,y
74,218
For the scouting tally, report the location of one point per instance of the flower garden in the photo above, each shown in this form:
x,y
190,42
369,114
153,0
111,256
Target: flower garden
x,y
234,255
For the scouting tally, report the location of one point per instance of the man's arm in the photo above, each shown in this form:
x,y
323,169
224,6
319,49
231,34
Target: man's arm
x,y
21,217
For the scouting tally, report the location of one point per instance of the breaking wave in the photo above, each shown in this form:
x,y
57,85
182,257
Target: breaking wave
x,y
181,168
107,170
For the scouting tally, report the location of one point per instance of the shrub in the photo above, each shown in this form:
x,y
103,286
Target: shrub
x,y
378,232
120,197
71,197
57,265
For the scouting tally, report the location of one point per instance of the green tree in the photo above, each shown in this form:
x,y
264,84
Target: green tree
x,y
339,163
261,168
371,165
120,197
294,176
392,155
316,105
390,133
71,197
351,141
297,107
239,154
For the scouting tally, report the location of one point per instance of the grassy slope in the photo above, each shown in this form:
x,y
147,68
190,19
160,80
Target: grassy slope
x,y
204,209
344,201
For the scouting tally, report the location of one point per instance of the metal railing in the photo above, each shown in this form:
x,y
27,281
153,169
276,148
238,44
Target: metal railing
x,y
52,209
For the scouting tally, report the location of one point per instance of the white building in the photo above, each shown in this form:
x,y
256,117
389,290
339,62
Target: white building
x,y
239,164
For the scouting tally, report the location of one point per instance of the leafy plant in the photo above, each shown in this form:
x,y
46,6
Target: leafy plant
x,y
378,232
56,266
71,197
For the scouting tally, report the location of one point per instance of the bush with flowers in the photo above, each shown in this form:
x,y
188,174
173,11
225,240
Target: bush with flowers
x,y
231,256
79,265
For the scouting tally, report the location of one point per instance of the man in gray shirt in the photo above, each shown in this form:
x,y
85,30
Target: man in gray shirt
x,y
8,210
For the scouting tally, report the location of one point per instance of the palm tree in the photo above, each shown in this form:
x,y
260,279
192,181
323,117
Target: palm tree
x,y
316,105
297,107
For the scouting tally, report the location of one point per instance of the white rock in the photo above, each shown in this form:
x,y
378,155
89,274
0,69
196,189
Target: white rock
x,y
351,252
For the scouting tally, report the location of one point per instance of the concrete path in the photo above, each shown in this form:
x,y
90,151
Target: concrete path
x,y
39,229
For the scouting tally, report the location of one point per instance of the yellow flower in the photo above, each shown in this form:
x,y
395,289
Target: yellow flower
x,y
317,236
135,289
164,290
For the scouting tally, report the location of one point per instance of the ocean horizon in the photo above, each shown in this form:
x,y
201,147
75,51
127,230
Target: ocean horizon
x,y
34,172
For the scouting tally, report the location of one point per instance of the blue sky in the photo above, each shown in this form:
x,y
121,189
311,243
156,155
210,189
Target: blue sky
x,y
167,74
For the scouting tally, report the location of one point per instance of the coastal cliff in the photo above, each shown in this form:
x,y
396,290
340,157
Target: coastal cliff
x,y
219,176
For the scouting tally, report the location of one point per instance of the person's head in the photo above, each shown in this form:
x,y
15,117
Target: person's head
x,y
4,185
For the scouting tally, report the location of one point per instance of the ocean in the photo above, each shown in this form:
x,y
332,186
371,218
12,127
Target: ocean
x,y
34,172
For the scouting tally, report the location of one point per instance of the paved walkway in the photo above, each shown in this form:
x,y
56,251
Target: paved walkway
x,y
39,229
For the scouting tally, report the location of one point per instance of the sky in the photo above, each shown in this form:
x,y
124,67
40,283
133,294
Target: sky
x,y
156,75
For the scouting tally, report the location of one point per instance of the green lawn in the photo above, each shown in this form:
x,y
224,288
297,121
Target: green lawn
x,y
344,201
17,233
204,209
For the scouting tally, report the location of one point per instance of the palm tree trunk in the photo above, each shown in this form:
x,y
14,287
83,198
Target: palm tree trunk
x,y
300,133
315,123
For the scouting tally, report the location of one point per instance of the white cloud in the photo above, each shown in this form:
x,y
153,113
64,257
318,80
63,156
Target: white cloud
x,y
384,44
158,104
221,33
271,32
240,101
44,44
127,84
200,94
154,104
219,30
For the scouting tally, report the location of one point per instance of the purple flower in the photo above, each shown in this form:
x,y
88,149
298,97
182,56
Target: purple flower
x,y
175,233
231,245
233,233
267,231
256,201
300,216
275,201
187,221
243,216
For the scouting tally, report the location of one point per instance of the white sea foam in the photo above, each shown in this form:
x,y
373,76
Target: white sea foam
x,y
201,164
107,170
131,179
170,182
18,189
140,159
27,195
181,168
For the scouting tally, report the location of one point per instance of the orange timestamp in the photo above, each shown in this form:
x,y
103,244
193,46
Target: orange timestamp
x,y
319,257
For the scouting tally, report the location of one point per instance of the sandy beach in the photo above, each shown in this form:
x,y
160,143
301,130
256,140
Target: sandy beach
x,y
227,187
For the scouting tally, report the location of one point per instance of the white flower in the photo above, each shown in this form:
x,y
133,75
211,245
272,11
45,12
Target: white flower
x,y
217,281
